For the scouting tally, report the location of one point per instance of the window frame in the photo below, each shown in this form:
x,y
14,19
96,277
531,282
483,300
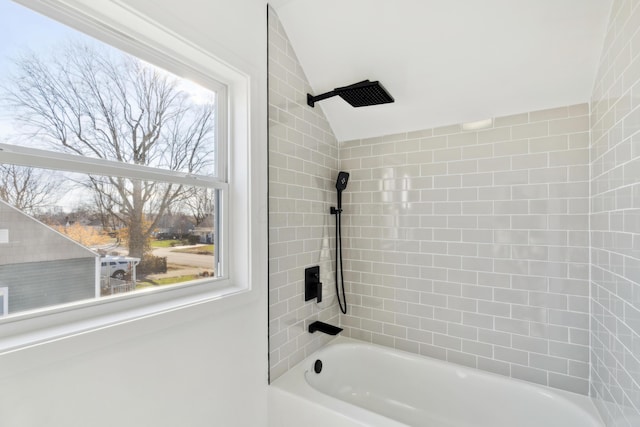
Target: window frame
x,y
124,28
32,157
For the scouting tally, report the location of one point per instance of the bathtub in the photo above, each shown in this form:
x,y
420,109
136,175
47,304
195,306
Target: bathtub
x,y
362,384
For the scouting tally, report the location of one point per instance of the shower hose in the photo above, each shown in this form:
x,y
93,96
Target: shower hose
x,y
339,266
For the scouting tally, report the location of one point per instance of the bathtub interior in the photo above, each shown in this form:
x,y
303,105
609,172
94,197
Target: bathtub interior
x,y
419,391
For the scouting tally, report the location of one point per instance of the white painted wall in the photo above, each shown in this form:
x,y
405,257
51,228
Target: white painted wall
x,y
199,366
445,62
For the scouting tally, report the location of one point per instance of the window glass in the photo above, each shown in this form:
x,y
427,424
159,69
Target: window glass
x,y
66,92
110,176
4,302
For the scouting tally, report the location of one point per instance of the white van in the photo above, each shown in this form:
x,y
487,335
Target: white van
x,y
117,267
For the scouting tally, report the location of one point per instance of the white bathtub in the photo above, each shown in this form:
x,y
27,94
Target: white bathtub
x,y
363,384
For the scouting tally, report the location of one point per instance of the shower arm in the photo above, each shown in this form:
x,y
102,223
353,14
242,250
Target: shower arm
x,y
311,100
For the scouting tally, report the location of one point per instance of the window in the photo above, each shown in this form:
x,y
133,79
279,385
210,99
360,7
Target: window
x,y
113,172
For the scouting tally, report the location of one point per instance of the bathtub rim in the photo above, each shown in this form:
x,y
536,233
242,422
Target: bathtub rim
x,y
294,383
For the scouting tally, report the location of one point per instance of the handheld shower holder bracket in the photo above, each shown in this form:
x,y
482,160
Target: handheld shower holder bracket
x,y
335,211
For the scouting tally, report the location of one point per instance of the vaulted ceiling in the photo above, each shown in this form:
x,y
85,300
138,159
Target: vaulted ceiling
x,y
446,61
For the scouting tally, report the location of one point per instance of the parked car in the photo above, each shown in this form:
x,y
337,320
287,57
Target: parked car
x,y
117,267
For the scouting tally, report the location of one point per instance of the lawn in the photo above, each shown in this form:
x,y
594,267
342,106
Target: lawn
x,y
198,250
165,243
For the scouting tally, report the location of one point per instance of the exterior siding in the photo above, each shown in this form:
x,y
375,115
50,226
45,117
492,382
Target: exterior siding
x,y
41,267
42,284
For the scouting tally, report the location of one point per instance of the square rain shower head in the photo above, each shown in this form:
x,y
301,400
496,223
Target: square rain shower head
x,y
360,94
364,94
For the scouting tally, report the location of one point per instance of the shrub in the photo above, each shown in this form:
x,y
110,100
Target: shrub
x,y
193,240
152,264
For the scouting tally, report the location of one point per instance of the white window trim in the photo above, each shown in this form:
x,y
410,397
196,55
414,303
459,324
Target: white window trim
x,y
117,24
26,156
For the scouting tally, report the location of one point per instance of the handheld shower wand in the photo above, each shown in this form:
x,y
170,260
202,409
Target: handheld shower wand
x,y
341,184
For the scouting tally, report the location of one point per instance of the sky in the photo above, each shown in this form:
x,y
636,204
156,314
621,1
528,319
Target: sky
x,y
23,28
20,29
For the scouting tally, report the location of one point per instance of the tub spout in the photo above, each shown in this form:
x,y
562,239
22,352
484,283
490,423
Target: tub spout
x,y
324,327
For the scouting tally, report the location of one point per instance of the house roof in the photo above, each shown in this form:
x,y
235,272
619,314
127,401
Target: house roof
x,y
32,241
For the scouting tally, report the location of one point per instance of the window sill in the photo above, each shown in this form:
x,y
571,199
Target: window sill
x,y
36,328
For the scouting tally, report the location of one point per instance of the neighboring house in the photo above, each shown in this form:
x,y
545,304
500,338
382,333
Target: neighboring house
x,y
204,233
173,226
40,267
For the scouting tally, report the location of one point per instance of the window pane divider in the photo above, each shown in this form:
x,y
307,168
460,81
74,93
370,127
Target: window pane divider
x,y
24,156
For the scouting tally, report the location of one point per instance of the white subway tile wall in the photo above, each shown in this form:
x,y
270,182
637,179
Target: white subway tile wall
x,y
472,246
615,221
303,164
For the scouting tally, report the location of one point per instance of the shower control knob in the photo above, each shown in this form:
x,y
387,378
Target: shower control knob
x,y
312,284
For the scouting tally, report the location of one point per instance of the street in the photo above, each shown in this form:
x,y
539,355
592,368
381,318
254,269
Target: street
x,y
185,259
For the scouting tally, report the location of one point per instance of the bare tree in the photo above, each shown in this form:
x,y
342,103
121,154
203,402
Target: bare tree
x,y
92,102
200,202
26,188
